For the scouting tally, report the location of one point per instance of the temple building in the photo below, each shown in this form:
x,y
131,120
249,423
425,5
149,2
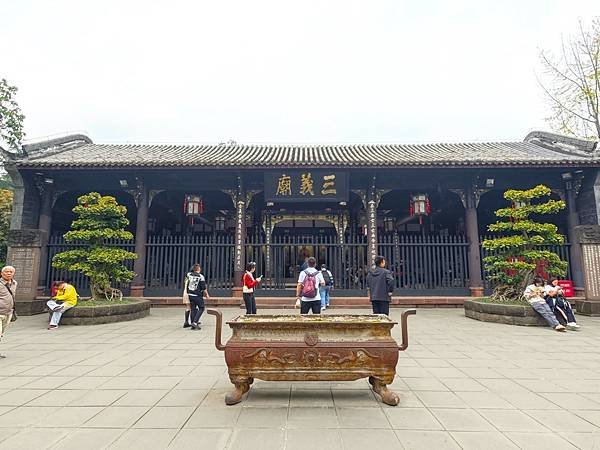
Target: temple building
x,y
424,207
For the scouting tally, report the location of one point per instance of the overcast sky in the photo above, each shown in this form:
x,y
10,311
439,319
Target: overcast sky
x,y
283,71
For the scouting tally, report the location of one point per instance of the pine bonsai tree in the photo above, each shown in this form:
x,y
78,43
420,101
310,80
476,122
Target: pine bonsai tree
x,y
100,218
515,256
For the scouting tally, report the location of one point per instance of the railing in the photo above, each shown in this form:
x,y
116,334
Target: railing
x,y
422,264
57,244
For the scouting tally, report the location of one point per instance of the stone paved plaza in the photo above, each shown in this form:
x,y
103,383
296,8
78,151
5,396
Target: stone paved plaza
x,y
151,384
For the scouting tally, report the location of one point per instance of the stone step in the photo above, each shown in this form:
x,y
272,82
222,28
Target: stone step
x,y
336,302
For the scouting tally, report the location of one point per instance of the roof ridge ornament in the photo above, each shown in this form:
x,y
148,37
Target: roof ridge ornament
x,y
56,145
561,143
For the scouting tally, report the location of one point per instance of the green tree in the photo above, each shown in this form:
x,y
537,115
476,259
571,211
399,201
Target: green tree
x,y
573,83
11,118
515,255
99,219
6,200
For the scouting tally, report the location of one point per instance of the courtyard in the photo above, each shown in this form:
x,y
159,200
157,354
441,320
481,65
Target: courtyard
x,y
152,384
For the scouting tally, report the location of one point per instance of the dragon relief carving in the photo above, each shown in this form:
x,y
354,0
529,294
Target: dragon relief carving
x,y
310,357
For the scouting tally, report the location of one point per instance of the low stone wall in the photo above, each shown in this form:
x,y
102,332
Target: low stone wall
x,y
96,315
508,314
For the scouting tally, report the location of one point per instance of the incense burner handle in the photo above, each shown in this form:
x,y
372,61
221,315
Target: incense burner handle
x,y
218,329
404,325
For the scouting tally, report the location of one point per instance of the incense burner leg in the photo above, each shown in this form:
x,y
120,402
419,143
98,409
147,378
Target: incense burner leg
x,y
242,385
388,396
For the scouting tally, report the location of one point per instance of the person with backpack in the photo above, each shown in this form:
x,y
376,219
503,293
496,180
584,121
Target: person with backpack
x,y
380,285
324,290
307,290
197,290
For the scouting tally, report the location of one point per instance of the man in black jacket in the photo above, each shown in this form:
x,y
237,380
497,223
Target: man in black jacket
x,y
380,284
197,291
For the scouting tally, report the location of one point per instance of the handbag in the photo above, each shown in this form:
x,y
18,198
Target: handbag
x,y
14,317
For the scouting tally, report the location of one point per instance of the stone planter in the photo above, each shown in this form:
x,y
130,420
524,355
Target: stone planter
x,y
96,315
508,314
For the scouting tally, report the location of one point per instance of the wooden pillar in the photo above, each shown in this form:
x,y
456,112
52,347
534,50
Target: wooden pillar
x,y
472,231
575,254
45,226
141,237
239,256
371,207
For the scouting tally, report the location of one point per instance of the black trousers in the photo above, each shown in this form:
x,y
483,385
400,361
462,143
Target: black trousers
x,y
315,306
561,309
250,302
381,307
196,307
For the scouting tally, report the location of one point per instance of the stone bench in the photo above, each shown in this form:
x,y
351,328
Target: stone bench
x,y
96,315
523,315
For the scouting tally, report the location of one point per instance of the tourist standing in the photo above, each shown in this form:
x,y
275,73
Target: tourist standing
x,y
380,285
65,298
197,290
324,290
534,293
249,284
307,290
7,299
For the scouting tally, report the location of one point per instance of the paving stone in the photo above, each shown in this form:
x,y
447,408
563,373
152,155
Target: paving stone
x,y
312,418
165,417
87,437
561,420
202,439
303,439
412,419
261,439
317,397
19,397
117,417
262,417
469,440
512,420
141,398
461,420
444,399
362,418
214,417
484,400
420,440
360,439
143,439
537,441
183,398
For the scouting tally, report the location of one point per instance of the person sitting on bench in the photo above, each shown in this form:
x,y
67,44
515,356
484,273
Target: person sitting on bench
x,y
555,298
534,293
65,298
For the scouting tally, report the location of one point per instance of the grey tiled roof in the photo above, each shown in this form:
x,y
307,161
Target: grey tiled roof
x,y
538,150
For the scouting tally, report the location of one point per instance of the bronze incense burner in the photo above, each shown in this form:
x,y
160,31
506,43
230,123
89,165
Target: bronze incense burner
x,y
312,348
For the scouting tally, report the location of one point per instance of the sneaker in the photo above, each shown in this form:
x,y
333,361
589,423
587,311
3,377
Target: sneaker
x,y
323,308
560,328
573,326
186,325
195,326
2,356
57,308
52,327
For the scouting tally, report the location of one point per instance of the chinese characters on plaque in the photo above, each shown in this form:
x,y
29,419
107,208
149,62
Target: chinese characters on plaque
x,y
306,185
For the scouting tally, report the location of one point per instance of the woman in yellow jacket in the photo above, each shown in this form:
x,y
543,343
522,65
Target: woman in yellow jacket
x,y
65,298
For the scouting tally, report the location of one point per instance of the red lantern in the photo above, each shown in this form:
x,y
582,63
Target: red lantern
x,y
193,205
419,206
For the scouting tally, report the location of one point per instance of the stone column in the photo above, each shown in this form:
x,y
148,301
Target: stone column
x,y
575,247
45,226
472,230
24,249
372,203
141,238
239,255
588,236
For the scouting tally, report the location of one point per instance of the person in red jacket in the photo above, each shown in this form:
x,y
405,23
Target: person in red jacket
x,y
248,288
